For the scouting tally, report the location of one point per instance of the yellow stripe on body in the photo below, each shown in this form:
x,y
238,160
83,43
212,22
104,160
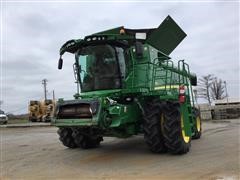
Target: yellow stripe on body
x,y
166,87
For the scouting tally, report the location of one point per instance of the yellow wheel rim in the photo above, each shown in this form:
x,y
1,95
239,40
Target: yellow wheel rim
x,y
198,122
185,137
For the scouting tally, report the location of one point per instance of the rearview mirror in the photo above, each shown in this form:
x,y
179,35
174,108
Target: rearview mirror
x,y
60,63
139,49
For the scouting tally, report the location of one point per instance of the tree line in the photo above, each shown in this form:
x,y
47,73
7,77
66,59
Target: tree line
x,y
211,88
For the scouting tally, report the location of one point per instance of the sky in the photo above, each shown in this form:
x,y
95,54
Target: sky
x,y
32,33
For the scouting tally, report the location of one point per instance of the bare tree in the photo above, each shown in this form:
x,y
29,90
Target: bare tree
x,y
217,89
204,87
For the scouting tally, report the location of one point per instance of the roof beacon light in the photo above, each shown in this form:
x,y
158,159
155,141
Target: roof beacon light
x,y
142,36
122,31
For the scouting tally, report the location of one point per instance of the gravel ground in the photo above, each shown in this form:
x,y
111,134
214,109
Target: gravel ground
x,y
36,153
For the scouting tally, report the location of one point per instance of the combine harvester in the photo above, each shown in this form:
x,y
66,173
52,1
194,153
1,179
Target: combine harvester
x,y
129,85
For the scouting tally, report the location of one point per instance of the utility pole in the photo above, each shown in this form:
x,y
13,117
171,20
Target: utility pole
x,y
225,83
53,93
44,82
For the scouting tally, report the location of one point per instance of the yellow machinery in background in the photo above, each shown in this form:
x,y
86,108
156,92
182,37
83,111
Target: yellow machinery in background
x,y
47,107
34,111
41,111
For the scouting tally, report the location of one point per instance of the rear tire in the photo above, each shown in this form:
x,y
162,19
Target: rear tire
x,y
152,126
46,119
86,142
198,124
66,137
32,120
175,139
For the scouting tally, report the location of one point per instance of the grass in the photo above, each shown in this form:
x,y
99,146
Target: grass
x,y
17,121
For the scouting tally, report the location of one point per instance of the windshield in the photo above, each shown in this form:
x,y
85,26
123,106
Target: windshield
x,y
102,67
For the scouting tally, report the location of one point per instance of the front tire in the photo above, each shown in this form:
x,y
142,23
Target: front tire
x,y
175,139
65,136
86,142
152,126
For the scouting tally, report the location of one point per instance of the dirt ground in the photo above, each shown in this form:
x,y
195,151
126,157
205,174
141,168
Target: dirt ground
x,y
36,153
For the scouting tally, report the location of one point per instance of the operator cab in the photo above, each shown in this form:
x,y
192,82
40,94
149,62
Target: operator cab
x,y
100,67
105,60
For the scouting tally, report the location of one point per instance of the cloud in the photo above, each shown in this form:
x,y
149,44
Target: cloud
x,y
34,32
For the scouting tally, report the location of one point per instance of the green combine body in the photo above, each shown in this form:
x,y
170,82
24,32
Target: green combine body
x,y
129,85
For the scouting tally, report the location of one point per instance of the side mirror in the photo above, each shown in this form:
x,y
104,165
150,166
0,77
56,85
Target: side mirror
x,y
60,63
139,49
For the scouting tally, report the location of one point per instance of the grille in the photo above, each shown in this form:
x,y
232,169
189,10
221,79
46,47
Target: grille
x,y
82,110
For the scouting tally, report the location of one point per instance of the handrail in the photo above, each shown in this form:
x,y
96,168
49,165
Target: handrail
x,y
166,64
189,87
166,80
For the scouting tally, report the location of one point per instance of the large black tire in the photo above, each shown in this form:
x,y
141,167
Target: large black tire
x,y
86,142
32,120
65,136
46,119
198,124
173,130
152,126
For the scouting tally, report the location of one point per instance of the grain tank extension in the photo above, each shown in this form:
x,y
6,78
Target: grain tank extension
x,y
128,85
